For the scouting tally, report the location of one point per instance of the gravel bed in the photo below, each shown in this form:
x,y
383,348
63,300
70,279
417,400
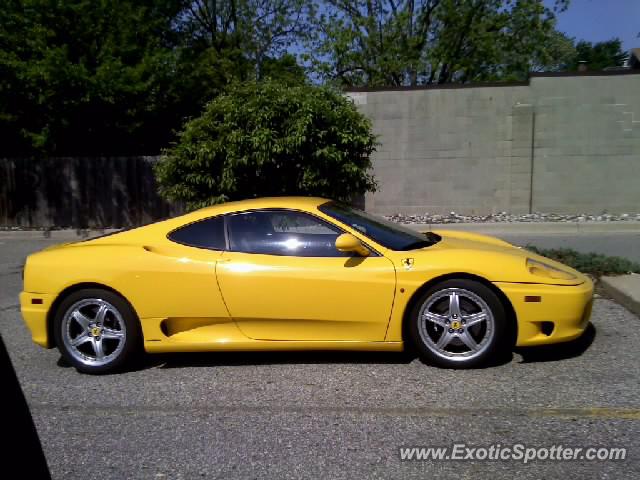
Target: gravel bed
x,y
504,217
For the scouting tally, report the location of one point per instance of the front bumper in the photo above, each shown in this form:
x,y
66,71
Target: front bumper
x,y
35,315
566,308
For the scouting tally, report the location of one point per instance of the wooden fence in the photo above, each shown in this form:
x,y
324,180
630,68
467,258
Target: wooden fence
x,y
109,192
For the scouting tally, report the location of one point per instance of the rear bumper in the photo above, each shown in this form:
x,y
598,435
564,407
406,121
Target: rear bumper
x,y
565,308
35,316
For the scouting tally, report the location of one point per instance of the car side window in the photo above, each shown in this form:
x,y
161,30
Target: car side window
x,y
208,233
282,232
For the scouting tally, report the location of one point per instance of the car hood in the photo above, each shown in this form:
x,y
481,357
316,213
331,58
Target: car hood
x,y
469,240
489,257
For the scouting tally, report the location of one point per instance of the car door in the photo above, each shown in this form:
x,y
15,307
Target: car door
x,y
177,280
283,279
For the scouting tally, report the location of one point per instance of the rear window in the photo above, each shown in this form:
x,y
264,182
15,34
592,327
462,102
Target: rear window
x,y
207,233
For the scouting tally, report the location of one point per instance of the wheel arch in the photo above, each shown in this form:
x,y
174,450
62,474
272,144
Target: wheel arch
x,y
510,312
72,289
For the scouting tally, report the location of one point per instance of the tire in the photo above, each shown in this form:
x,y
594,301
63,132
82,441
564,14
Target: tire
x,y
96,331
466,337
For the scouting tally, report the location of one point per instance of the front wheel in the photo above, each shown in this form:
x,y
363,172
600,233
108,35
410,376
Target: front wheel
x,y
458,324
96,331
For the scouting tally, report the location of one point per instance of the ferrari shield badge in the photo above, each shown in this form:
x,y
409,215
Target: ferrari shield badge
x,y
407,263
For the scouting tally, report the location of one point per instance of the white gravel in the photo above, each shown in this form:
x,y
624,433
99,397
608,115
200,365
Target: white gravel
x,y
504,217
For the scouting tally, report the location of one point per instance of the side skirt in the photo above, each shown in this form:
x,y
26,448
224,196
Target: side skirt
x,y
269,345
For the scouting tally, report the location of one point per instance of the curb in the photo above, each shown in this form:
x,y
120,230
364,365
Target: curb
x,y
625,290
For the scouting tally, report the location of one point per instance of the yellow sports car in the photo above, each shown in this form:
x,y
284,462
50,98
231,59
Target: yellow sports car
x,y
296,274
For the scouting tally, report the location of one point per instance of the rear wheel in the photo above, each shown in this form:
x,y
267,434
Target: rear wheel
x,y
458,324
96,331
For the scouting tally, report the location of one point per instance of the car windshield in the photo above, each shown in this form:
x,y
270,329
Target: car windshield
x,y
388,234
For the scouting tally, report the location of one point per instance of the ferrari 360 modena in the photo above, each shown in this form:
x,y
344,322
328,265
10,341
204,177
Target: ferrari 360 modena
x,y
296,273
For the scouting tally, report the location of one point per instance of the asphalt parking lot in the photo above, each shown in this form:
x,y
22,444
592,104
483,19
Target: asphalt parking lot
x,y
338,415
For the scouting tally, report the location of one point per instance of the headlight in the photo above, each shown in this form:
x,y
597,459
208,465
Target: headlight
x,y
543,270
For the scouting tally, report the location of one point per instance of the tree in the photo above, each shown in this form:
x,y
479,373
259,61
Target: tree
x,y
262,30
600,55
269,139
284,69
80,76
557,56
411,42
119,77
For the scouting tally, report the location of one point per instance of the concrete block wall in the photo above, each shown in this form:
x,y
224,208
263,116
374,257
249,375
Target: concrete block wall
x,y
479,150
587,144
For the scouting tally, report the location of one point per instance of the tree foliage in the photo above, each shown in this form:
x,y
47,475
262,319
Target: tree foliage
x,y
558,54
411,42
120,76
268,139
600,55
73,74
261,30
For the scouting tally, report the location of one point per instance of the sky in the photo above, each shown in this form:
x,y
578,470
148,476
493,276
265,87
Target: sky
x,y
599,20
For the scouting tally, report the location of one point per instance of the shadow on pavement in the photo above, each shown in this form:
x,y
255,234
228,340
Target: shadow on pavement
x,y
180,360
62,362
545,353
212,359
559,351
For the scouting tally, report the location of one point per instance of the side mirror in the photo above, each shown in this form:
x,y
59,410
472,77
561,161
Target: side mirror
x,y
349,243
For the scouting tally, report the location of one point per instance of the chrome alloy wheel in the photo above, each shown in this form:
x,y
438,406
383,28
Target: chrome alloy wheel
x,y
456,324
93,332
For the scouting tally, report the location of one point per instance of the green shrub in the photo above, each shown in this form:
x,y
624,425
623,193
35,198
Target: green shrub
x,y
269,139
591,263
